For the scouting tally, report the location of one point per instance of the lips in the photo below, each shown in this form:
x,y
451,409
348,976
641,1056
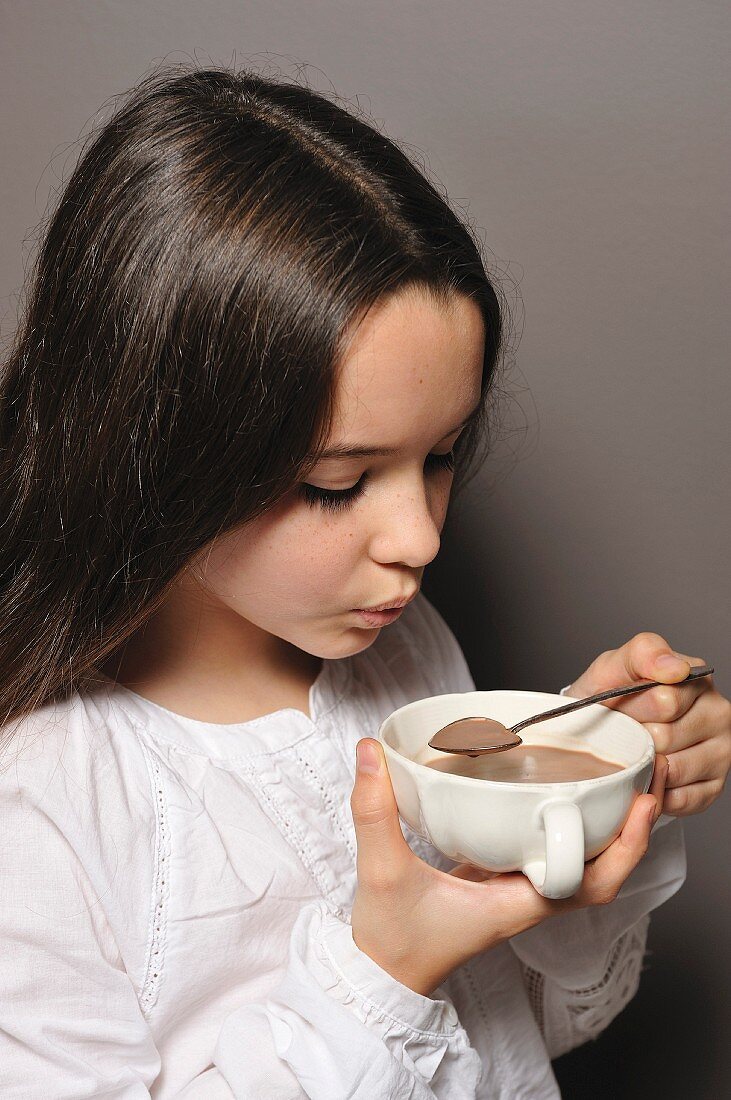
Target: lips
x,y
390,605
379,618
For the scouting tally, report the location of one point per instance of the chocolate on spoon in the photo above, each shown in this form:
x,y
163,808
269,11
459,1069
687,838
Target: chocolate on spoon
x,y
477,735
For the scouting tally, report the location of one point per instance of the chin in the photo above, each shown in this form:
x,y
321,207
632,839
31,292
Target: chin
x,y
355,641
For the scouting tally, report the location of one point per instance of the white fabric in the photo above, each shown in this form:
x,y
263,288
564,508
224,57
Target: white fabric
x,y
174,918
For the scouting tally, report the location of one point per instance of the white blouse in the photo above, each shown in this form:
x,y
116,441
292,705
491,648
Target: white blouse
x,y
174,918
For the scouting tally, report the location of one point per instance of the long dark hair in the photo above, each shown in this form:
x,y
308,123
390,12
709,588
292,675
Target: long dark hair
x,y
210,258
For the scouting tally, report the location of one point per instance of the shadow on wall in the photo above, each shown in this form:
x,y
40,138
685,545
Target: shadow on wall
x,y
479,583
465,603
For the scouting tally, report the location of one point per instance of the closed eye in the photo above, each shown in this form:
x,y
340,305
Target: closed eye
x,y
335,500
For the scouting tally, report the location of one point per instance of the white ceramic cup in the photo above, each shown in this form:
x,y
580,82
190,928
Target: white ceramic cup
x,y
545,830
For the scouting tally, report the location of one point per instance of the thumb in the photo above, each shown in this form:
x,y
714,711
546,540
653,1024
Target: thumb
x,y
646,656
649,656
373,804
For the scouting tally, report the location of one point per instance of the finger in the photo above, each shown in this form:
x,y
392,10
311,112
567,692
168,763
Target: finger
x,y
693,799
659,784
605,874
470,873
640,659
646,656
703,761
664,704
689,730
649,656
382,848
508,900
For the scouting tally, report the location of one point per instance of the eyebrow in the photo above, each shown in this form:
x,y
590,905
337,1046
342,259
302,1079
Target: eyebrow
x,y
344,451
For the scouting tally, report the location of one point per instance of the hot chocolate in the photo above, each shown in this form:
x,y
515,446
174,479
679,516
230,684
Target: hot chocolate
x,y
528,764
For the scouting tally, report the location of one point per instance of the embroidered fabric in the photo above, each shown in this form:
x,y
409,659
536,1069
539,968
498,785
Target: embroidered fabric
x,y
161,889
569,1017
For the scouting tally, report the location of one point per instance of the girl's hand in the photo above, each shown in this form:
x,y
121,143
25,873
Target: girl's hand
x,y
689,723
419,923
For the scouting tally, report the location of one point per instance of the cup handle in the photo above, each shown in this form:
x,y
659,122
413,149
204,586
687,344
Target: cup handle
x,y
559,875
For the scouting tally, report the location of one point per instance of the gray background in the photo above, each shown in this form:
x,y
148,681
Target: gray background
x,y
587,142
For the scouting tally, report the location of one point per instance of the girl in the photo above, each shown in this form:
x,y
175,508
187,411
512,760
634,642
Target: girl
x,y
258,349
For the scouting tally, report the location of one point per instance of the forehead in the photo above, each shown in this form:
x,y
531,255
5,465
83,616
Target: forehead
x,y
412,362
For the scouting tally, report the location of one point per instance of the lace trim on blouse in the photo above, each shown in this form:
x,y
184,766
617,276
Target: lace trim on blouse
x,y
569,1017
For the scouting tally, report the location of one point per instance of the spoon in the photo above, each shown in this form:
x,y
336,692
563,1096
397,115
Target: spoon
x,y
478,735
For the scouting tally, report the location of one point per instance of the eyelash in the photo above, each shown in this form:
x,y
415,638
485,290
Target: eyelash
x,y
336,500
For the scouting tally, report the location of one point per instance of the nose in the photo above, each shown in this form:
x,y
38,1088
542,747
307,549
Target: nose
x,y
406,528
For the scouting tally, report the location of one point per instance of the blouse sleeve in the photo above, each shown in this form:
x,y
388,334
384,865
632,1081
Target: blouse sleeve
x,y
338,1025
582,968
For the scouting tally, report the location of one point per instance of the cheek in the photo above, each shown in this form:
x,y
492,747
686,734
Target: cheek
x,y
324,546
293,553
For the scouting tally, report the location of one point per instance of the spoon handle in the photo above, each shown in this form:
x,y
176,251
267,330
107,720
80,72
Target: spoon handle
x,y
695,671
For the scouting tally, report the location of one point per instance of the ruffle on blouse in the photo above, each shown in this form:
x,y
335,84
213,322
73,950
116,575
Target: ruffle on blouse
x,y
410,1046
424,1033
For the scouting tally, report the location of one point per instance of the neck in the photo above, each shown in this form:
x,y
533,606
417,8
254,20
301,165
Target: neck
x,y
199,658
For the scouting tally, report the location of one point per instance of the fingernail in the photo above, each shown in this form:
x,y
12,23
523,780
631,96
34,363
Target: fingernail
x,y
367,758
